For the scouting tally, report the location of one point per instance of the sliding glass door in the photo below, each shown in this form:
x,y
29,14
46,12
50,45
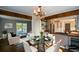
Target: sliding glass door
x,y
21,29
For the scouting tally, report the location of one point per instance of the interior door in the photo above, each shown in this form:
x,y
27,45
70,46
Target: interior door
x,y
52,28
67,27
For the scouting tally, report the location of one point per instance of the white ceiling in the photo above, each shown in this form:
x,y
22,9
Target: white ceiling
x,y
49,10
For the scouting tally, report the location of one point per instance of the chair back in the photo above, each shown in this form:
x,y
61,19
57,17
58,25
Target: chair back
x,y
13,40
66,40
26,47
54,48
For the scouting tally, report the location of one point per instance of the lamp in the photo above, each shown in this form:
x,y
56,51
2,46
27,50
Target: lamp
x,y
38,11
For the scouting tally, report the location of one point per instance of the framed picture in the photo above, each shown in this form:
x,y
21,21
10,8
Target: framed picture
x,y
8,25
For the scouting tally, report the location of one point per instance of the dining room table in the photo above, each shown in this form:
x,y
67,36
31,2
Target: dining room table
x,y
40,45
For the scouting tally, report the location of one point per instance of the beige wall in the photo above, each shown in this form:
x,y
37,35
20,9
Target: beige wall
x,y
60,27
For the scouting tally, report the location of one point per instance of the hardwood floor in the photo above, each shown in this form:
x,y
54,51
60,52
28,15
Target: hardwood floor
x,y
5,47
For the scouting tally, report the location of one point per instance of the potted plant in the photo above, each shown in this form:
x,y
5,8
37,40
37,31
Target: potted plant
x,y
4,34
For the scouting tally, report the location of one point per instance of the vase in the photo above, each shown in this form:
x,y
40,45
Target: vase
x,y
41,44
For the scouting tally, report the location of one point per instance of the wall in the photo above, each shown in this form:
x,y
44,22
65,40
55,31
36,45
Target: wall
x,y
77,25
48,25
4,20
60,24
61,27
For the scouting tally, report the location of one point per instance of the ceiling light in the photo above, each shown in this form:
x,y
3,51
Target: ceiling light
x,y
39,11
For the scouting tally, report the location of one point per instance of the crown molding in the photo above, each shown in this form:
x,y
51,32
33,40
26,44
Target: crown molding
x,y
9,13
65,14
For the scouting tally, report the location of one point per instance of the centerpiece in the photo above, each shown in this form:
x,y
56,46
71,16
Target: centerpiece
x,y
40,40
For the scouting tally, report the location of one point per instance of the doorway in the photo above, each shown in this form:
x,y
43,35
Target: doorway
x,y
67,27
52,28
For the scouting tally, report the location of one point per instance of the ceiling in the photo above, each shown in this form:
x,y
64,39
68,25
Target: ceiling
x,y
49,10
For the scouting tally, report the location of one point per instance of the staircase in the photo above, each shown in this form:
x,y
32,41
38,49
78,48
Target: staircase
x,y
74,47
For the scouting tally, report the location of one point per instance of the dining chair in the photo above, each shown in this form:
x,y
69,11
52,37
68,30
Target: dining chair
x,y
66,40
13,40
55,47
28,48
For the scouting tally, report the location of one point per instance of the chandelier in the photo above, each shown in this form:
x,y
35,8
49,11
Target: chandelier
x,y
39,11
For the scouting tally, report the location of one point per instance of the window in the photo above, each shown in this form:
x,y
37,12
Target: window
x,y
21,29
